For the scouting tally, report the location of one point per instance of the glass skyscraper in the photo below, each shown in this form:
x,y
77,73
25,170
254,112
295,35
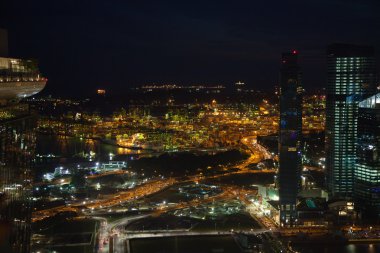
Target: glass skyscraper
x,y
290,138
351,76
18,79
17,141
367,167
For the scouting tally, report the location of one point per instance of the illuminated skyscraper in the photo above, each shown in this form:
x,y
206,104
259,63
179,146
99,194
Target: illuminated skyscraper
x,y
367,167
351,76
290,137
17,140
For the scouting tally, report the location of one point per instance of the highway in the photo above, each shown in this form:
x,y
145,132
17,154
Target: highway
x,y
172,233
111,200
112,229
116,230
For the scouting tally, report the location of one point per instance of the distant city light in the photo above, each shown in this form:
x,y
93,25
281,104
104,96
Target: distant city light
x,y
101,92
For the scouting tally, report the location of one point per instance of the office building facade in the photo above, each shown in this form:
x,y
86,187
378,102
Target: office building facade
x,y
367,166
351,76
290,134
17,141
18,79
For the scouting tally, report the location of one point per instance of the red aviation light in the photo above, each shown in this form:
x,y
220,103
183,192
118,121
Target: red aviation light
x,y
295,52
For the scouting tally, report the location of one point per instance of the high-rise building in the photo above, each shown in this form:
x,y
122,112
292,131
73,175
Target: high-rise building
x,y
351,76
367,167
17,141
290,138
18,79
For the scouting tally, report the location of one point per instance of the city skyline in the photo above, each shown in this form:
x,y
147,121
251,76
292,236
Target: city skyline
x,y
134,127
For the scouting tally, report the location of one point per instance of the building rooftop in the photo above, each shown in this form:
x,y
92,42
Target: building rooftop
x,y
311,204
19,78
372,102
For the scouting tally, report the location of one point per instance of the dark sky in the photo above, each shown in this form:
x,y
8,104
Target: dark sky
x,y
83,45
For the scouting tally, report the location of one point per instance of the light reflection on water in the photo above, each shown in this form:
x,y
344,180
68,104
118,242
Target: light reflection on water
x,y
351,248
70,146
61,151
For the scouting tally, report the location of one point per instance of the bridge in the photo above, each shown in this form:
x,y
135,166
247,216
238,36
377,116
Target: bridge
x,y
121,243
175,233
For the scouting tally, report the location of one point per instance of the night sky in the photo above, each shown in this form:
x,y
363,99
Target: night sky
x,y
84,45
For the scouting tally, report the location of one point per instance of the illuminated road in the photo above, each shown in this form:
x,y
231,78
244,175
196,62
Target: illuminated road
x,y
112,200
112,229
257,154
171,233
116,230
133,194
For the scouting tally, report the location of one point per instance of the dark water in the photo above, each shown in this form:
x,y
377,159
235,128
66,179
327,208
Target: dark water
x,y
207,244
69,147
195,244
350,248
67,151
